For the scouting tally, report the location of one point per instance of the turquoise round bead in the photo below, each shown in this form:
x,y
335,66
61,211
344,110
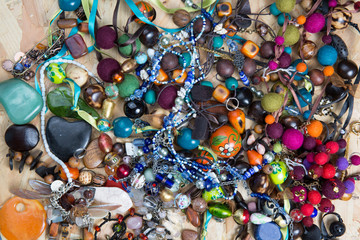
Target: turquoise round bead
x,y
288,50
327,55
185,141
294,64
306,114
281,18
69,5
217,42
231,83
150,97
306,95
141,58
122,127
274,10
185,60
104,125
207,83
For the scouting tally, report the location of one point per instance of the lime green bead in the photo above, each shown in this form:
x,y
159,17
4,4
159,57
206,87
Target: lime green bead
x,y
55,73
127,50
217,42
277,147
150,97
185,60
207,83
128,86
285,6
279,173
291,35
231,83
213,194
219,210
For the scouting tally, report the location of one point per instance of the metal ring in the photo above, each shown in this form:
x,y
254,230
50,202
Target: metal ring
x,y
227,104
79,153
355,128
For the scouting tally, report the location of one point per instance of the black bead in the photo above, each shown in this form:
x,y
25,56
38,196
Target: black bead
x,y
256,112
150,36
340,46
312,233
347,69
337,229
22,137
333,92
244,96
134,108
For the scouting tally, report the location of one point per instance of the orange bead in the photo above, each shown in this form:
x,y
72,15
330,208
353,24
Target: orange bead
x,y
328,71
205,159
221,93
266,78
301,19
176,73
162,77
315,128
254,157
237,120
224,9
118,77
301,67
249,49
74,173
269,119
231,28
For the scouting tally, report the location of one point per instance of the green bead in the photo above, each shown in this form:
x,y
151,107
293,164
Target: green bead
x,y
207,83
149,175
21,101
277,147
128,86
219,210
127,50
291,35
285,6
272,102
185,60
150,97
231,83
55,73
279,173
60,101
217,42
213,194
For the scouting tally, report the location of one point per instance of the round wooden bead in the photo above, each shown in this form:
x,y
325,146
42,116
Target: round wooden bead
x,y
267,49
99,180
85,177
198,25
347,69
259,183
181,18
169,61
340,18
308,49
317,77
225,68
150,36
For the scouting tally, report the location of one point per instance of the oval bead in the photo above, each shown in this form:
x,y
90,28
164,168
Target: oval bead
x,y
185,140
219,210
237,120
279,173
105,143
226,141
122,127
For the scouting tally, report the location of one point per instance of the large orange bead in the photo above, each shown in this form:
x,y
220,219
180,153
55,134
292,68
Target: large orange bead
x,y
249,49
176,73
221,93
237,120
231,28
22,219
147,10
315,128
74,173
225,142
224,9
162,77
206,159
254,157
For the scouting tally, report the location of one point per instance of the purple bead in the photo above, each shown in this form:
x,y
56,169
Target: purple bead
x,y
310,157
326,39
342,163
298,173
309,143
306,164
342,143
355,160
284,60
349,186
321,148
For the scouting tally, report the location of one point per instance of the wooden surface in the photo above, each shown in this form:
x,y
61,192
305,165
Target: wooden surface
x,y
23,23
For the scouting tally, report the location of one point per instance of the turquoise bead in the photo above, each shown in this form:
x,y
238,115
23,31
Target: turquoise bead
x,y
217,42
150,97
185,141
21,101
281,18
274,10
141,58
185,60
294,64
306,114
207,83
288,50
231,83
122,127
69,5
327,55
306,95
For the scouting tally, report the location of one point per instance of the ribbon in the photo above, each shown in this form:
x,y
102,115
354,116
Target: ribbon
x,y
207,218
158,3
285,230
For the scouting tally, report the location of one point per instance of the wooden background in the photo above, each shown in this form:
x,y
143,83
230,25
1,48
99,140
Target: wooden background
x,y
24,22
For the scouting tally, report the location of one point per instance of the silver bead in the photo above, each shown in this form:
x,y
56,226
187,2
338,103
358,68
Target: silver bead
x,y
179,101
259,94
253,89
200,184
269,156
164,152
223,177
140,152
165,41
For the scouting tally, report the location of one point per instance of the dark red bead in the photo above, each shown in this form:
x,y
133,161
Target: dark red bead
x,y
97,229
132,211
357,6
120,218
130,236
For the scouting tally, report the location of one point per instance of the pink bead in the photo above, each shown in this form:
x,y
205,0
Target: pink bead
x,y
135,222
273,65
252,206
123,171
355,160
279,40
314,23
332,3
326,39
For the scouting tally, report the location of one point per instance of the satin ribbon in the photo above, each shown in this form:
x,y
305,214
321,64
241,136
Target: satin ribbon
x,y
207,218
206,4
285,230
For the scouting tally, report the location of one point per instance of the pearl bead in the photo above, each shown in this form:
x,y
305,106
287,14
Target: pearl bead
x,y
223,177
253,89
164,152
200,184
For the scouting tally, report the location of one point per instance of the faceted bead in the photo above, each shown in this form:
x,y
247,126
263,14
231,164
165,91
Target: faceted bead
x,y
67,23
221,93
249,49
262,29
97,229
132,211
118,77
76,45
120,218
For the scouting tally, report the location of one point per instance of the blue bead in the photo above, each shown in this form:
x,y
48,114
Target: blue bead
x,y
288,50
306,114
141,58
148,141
139,142
274,10
294,64
217,42
281,18
139,167
69,5
251,171
19,67
231,83
150,97
315,213
327,55
306,95
122,127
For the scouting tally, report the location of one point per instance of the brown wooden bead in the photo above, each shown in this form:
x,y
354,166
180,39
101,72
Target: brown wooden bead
x,y
29,160
99,180
54,229
224,9
259,129
317,77
259,183
94,95
67,23
49,179
17,156
83,27
193,217
129,65
94,156
181,18
340,18
268,169
76,45
308,49
85,177
74,162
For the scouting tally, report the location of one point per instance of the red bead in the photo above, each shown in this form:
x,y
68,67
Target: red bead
x,y
357,6
315,171
132,211
332,147
318,141
307,209
143,236
321,158
130,236
97,229
120,218
296,215
314,197
326,205
123,171
329,171
308,221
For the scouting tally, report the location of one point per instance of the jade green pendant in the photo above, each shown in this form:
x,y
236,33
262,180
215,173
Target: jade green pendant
x,y
21,101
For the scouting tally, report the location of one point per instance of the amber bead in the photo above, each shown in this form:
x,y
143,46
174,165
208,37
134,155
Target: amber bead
x,y
176,73
83,27
162,77
224,9
249,49
76,46
231,28
259,183
130,236
17,156
118,77
67,23
132,211
129,65
120,218
259,129
308,49
221,93
74,162
97,229
110,170
49,179
29,159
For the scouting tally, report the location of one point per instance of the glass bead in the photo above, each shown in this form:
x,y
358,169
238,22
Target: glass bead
x,y
76,46
217,42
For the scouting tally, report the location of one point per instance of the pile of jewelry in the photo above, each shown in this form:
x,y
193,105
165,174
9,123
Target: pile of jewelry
x,y
213,125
